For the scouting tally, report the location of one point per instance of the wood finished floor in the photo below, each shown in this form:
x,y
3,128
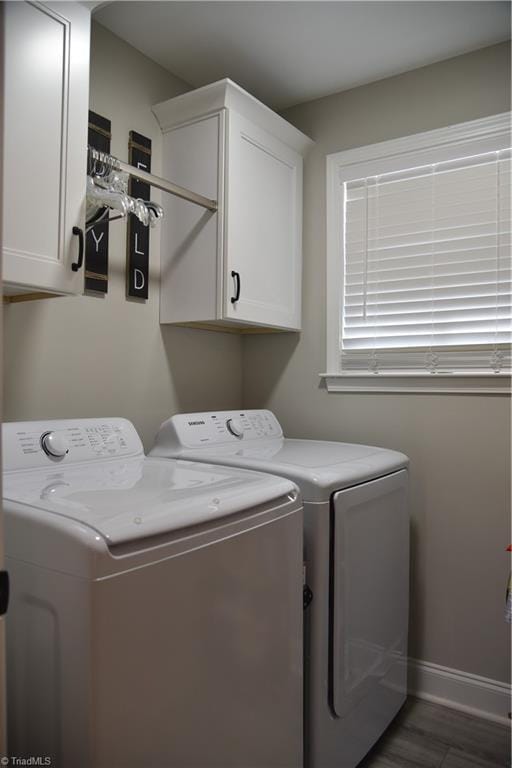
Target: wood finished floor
x,y
429,736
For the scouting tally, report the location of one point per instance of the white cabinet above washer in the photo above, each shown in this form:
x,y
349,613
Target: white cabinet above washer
x,y
46,94
241,267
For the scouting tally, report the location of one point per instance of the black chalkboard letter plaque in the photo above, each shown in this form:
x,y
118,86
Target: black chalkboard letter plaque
x,y
137,258
96,243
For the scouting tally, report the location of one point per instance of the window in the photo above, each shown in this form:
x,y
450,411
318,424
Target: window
x,y
419,260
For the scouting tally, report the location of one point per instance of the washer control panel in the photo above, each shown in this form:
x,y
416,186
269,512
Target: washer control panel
x,y
32,444
192,430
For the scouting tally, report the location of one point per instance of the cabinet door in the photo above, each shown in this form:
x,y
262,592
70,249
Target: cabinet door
x,y
45,141
264,228
192,236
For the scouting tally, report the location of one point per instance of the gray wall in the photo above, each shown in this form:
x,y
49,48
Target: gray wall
x,y
458,444
90,356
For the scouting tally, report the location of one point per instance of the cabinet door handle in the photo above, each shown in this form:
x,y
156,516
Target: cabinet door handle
x,y
76,265
236,278
4,592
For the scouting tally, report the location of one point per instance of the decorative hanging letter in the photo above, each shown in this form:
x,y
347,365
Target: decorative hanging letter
x,y
96,243
137,257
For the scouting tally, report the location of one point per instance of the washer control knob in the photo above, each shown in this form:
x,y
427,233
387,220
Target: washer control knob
x,y
54,444
235,427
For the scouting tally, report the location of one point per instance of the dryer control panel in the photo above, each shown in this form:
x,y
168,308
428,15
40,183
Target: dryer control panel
x,y
193,430
32,444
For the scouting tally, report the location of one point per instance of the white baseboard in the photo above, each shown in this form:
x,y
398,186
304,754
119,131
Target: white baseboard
x,y
453,688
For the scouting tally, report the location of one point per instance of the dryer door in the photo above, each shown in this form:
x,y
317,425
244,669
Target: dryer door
x,y
370,591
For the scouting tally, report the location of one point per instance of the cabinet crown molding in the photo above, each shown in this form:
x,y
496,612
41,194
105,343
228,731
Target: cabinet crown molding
x,y
225,94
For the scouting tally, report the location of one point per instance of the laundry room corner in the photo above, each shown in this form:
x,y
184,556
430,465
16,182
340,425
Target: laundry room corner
x,y
256,343
94,355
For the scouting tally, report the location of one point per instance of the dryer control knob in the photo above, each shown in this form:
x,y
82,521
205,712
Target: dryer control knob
x,y
54,444
235,427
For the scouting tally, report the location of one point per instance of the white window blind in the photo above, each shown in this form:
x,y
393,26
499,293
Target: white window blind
x,y
427,269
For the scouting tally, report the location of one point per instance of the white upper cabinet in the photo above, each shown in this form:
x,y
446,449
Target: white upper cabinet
x,y
46,91
240,267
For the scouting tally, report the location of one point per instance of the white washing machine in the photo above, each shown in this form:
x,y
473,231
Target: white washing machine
x,y
156,607
357,566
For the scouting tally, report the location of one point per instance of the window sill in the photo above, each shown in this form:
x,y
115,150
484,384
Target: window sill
x,y
439,383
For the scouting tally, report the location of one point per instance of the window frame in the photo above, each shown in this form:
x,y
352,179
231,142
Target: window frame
x,y
475,137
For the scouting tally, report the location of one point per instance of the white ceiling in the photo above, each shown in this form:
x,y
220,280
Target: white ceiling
x,y
290,52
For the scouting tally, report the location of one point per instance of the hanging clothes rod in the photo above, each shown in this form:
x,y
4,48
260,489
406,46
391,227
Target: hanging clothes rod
x,y
111,162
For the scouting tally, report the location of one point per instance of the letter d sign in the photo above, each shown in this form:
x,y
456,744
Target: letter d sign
x,y
139,280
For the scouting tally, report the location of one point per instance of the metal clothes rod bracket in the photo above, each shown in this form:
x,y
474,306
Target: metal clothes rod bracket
x,y
113,163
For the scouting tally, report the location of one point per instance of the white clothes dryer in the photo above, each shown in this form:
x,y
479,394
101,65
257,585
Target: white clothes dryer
x,y
156,610
357,568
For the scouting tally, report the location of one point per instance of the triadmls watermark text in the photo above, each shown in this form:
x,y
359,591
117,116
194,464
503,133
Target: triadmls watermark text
x,y
32,760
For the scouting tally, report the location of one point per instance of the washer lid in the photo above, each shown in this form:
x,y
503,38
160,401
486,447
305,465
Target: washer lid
x,y
318,467
140,497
